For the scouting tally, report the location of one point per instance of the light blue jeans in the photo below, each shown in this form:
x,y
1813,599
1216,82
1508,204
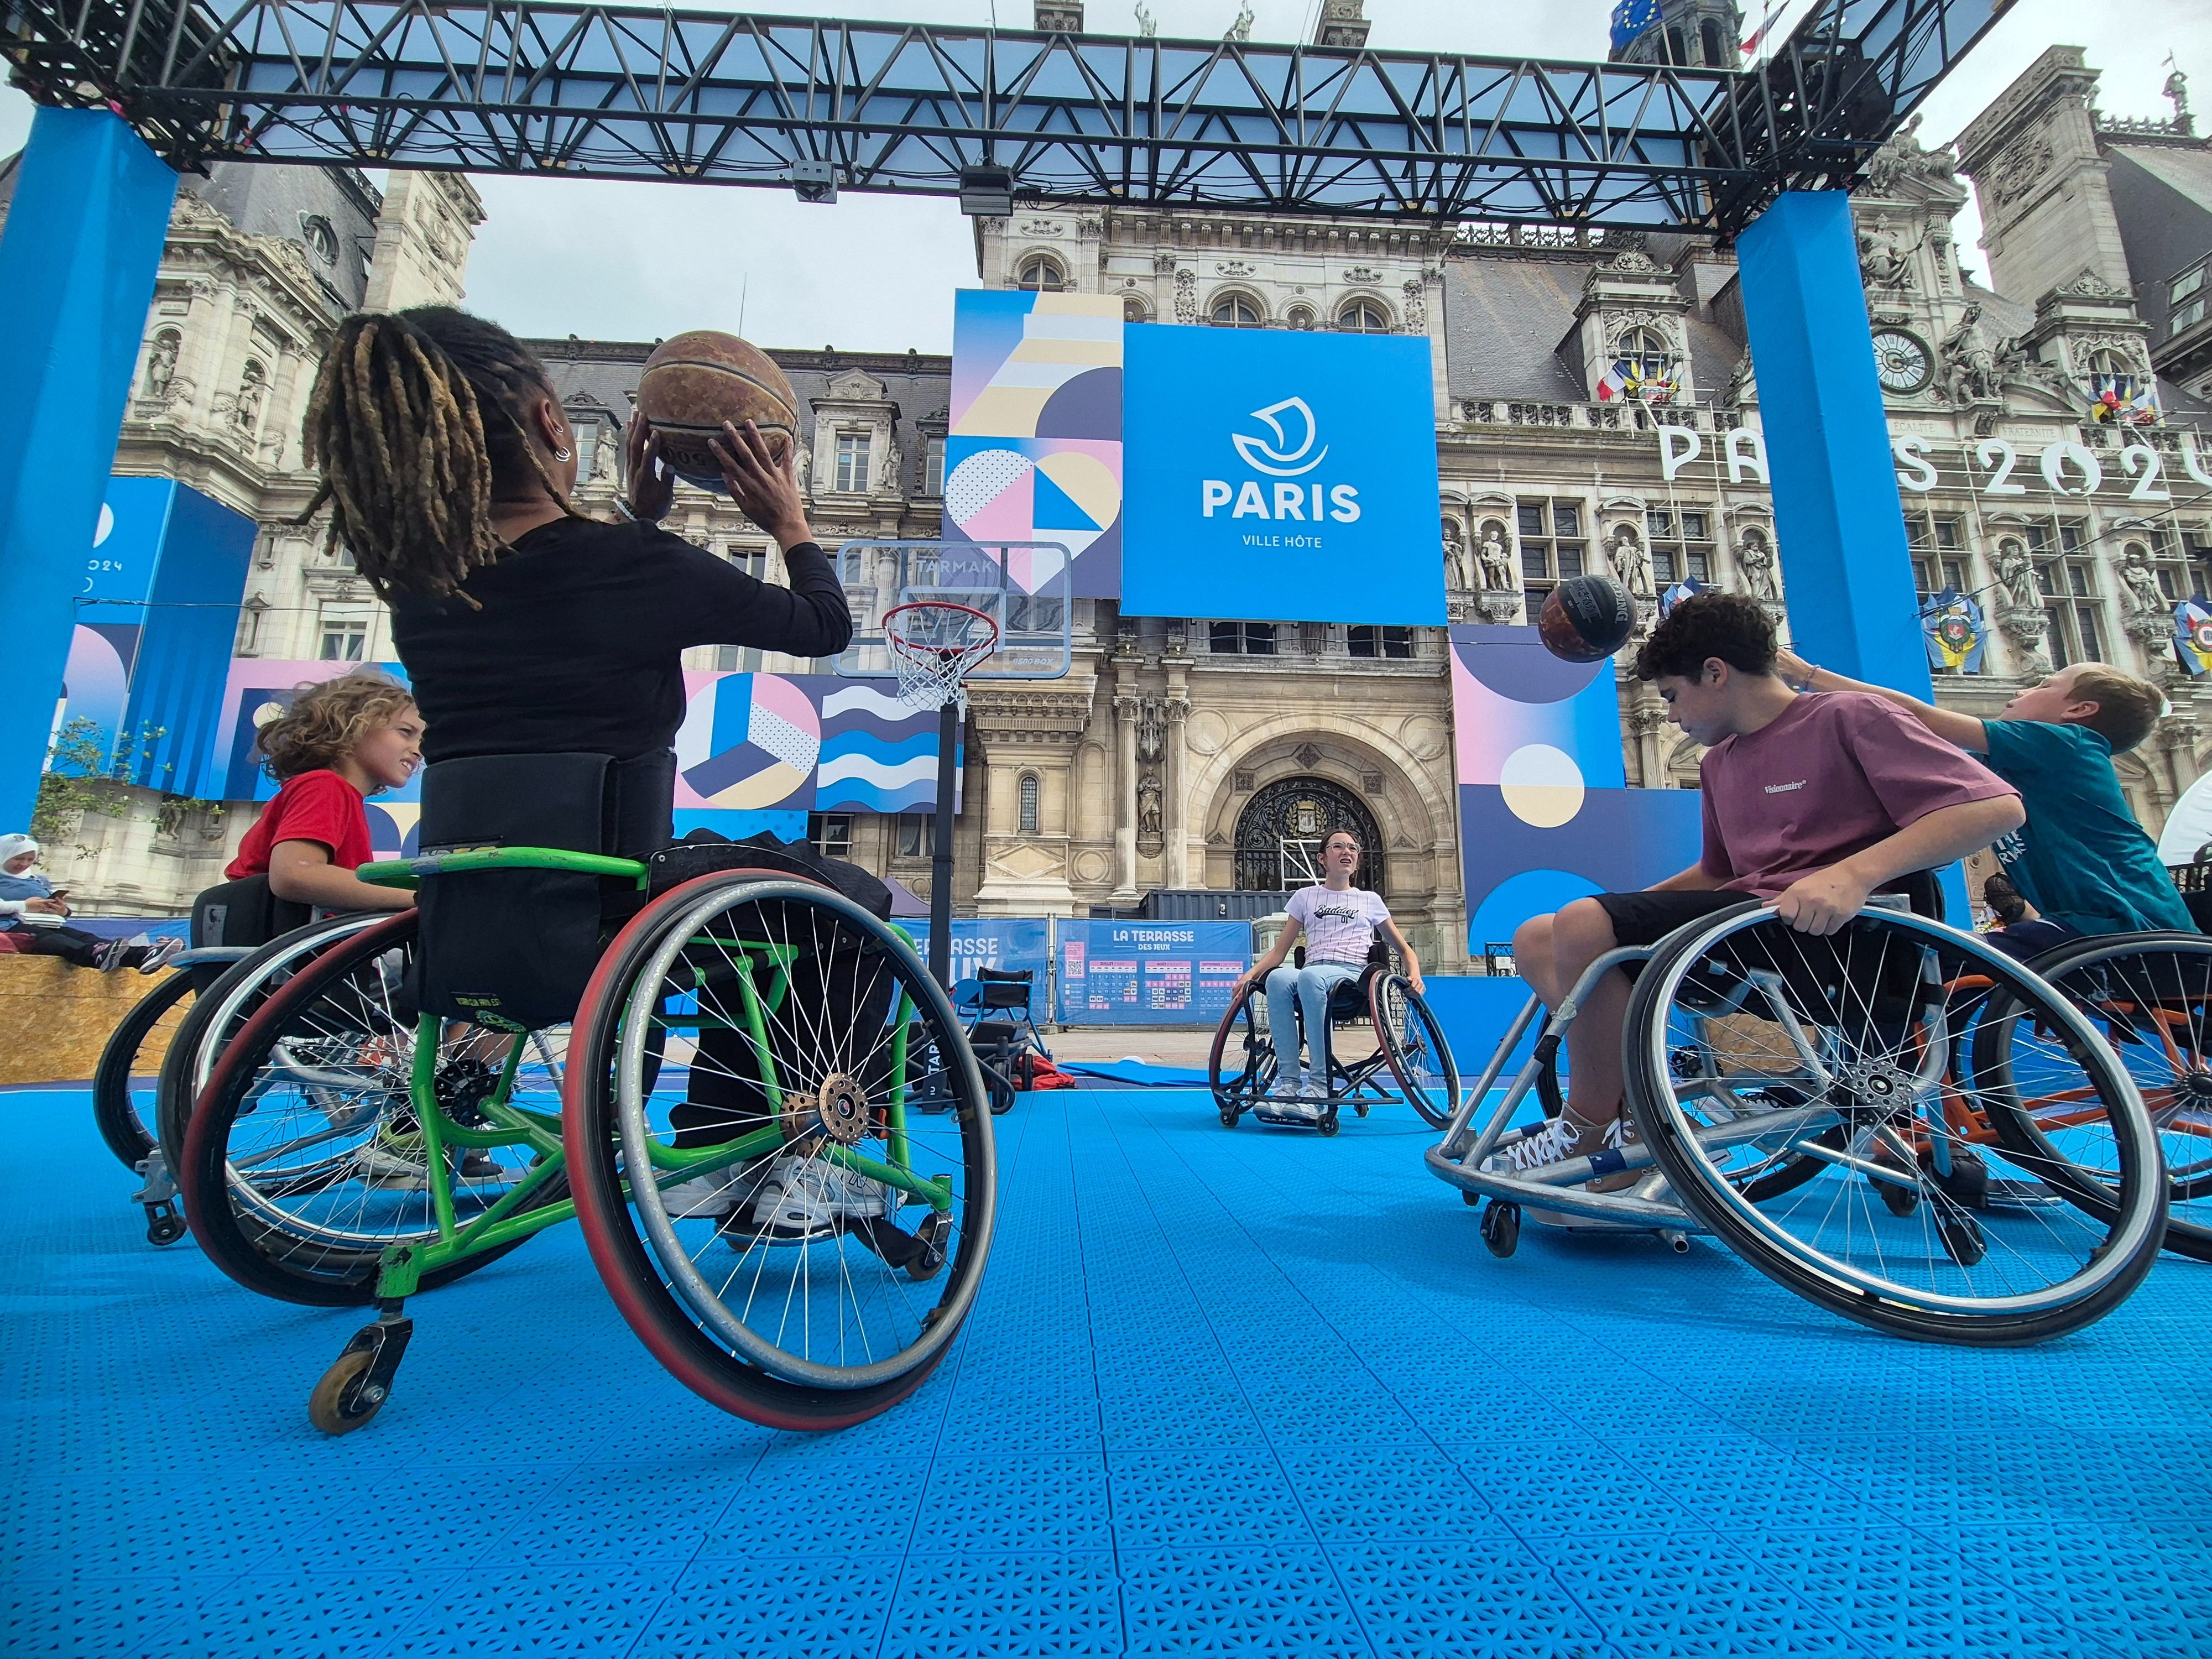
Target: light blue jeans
x,y
1309,986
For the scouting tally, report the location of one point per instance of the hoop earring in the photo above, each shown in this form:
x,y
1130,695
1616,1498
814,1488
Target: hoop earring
x,y
562,454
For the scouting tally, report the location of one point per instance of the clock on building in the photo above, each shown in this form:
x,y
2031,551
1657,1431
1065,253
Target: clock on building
x,y
1901,363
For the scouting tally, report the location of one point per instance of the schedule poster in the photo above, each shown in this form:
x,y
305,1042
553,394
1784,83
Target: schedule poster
x,y
1150,973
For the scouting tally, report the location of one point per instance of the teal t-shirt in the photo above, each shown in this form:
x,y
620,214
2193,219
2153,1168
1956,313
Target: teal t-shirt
x,y
2080,859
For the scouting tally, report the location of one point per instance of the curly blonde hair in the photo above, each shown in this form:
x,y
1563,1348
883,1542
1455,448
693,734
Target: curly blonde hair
x,y
326,719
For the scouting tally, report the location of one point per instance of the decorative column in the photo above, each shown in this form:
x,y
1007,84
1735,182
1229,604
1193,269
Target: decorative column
x,y
77,262
1178,812
1126,708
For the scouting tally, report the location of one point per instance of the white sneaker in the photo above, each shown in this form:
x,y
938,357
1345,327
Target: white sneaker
x,y
710,1196
395,1162
1289,1085
157,957
808,1192
1555,1142
1312,1090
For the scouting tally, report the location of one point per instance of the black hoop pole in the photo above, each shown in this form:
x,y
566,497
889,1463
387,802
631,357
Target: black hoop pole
x,y
940,862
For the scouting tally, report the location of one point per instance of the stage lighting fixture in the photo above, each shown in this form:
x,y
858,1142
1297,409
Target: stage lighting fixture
x,y
815,181
987,192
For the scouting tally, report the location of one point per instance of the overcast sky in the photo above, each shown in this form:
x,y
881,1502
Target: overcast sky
x,y
623,261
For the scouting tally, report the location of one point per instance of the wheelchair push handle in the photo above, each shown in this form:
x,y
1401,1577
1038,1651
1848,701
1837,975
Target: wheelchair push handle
x,y
407,872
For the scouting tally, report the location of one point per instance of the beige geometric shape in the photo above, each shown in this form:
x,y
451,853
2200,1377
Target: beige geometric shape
x,y
1206,731
1024,863
1091,866
1424,736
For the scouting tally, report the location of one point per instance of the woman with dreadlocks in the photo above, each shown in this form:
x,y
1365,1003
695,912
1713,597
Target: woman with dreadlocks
x,y
526,628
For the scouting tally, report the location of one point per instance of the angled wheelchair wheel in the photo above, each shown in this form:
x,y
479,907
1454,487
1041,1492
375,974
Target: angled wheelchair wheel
x,y
127,1080
820,1137
1241,1066
1420,1059
222,1010
304,1160
1840,1051
2151,995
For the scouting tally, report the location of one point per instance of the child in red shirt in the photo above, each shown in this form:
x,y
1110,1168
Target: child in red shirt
x,y
339,742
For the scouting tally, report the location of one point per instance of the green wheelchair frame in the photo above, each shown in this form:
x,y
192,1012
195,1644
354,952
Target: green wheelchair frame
x,y
355,1386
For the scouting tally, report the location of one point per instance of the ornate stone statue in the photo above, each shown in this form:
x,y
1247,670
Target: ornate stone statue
x,y
251,392
1756,560
1148,805
894,475
1497,575
1629,562
1970,366
2139,583
2015,368
1455,571
2016,575
1882,263
161,364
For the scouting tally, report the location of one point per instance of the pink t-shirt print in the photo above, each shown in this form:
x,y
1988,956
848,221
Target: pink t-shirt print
x,y
1339,926
1834,774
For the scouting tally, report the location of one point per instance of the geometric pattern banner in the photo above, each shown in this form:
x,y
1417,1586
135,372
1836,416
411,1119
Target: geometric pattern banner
x,y
1034,450
1546,815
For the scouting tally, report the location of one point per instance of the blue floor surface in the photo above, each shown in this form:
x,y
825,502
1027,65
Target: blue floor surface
x,y
1224,1393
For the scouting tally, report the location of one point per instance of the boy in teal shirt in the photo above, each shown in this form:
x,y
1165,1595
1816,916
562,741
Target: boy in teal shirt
x,y
2080,859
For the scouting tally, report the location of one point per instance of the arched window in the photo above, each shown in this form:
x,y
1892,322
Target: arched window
x,y
1029,799
1677,49
1642,342
1041,273
1299,317
1133,310
1709,33
1363,317
1235,311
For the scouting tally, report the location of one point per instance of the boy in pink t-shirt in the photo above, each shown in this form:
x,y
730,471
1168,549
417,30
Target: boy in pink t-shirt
x,y
1812,802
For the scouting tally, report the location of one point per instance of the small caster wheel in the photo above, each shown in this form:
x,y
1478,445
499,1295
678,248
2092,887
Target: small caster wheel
x,y
1361,1107
1501,1227
931,1235
1472,1201
341,1402
1899,1201
1230,1116
1962,1239
1968,1185
163,1224
1328,1122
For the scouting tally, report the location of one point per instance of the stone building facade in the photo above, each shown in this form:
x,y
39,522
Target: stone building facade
x,y
1179,751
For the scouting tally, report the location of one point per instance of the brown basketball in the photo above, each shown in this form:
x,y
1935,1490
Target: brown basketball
x,y
694,382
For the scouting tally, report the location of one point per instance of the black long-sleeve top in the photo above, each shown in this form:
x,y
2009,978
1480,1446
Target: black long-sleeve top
x,y
574,644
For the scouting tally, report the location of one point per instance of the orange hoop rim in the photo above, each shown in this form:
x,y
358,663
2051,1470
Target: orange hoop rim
x,y
897,643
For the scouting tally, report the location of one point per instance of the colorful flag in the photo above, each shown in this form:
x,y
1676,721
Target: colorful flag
x,y
1951,625
1630,18
1648,376
2126,399
1680,592
2192,633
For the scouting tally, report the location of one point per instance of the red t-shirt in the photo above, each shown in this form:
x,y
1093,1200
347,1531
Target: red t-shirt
x,y
1829,776
319,806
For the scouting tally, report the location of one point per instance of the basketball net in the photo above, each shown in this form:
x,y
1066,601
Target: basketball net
x,y
933,643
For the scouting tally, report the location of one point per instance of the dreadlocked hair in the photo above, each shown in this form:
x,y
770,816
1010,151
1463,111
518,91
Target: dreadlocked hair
x,y
416,425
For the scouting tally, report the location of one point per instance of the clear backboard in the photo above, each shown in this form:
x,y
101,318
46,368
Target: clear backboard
x,y
1022,586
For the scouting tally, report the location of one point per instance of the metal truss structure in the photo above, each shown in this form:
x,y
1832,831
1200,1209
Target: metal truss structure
x,y
559,88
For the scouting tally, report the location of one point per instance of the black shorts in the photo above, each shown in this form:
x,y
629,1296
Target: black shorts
x,y
1647,918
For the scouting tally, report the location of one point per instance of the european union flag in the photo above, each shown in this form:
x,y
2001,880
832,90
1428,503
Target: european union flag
x,y
1630,18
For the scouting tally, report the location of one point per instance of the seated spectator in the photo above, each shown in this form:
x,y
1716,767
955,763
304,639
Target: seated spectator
x,y
32,915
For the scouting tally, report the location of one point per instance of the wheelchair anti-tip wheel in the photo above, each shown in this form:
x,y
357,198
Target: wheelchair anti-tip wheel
x,y
1841,1051
2151,995
819,1138
304,1161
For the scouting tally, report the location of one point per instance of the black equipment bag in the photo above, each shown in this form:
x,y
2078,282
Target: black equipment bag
x,y
240,913
702,852
514,948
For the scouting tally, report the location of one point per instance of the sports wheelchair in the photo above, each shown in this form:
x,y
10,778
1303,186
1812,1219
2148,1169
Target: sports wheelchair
x,y
729,1096
1816,1103
1409,1050
1002,1028
158,1057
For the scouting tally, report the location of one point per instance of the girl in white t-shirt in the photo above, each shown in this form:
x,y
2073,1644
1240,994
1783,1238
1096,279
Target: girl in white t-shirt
x,y
1338,923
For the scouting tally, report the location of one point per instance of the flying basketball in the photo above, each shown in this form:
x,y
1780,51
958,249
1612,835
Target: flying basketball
x,y
694,382
1586,618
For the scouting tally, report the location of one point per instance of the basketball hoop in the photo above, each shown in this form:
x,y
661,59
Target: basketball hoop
x,y
933,643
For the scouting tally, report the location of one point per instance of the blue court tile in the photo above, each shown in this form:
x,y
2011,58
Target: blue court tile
x,y
1191,1498
1461,1600
975,1605
988,1503
1685,1594
821,1607
819,1506
540,1611
1240,1601
1386,1493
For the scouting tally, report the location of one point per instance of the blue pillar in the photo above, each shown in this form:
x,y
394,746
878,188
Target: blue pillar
x,y
77,261
1847,575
